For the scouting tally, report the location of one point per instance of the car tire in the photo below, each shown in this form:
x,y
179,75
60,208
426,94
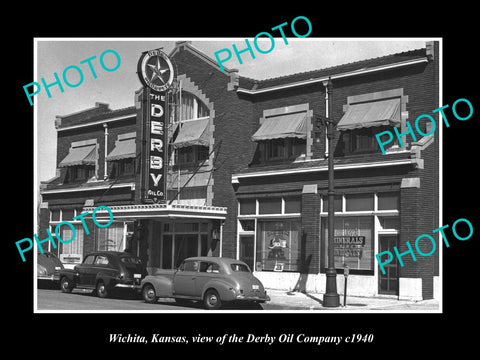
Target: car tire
x,y
101,290
148,293
65,285
211,300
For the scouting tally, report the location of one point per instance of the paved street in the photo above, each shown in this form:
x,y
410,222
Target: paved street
x,y
52,299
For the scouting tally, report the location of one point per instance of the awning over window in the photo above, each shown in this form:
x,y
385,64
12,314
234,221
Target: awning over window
x,y
375,113
81,155
282,126
124,149
194,132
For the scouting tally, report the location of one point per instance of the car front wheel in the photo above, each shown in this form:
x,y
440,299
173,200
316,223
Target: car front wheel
x,y
101,289
211,300
149,294
65,285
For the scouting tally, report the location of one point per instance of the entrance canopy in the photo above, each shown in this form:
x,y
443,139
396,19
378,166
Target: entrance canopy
x,y
283,126
375,113
159,211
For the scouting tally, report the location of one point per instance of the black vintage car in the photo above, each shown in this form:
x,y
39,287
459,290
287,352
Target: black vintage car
x,y
104,271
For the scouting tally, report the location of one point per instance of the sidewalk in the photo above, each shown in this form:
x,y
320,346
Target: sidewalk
x,y
288,300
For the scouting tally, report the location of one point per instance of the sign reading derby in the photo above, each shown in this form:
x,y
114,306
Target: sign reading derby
x,y
156,73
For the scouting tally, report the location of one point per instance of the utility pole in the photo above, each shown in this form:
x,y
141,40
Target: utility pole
x,y
331,297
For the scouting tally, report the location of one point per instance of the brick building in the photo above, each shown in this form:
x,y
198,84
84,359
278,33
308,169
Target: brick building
x,y
250,160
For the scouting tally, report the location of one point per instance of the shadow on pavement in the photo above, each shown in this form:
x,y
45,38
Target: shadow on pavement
x,y
198,305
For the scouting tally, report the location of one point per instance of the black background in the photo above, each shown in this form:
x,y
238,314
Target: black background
x,y
395,334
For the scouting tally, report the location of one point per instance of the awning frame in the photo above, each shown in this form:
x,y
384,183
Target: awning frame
x,y
382,112
78,155
199,133
289,125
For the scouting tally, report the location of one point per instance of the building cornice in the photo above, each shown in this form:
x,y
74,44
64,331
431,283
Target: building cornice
x,y
98,122
294,171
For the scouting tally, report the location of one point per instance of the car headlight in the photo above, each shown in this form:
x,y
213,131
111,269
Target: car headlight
x,y
41,270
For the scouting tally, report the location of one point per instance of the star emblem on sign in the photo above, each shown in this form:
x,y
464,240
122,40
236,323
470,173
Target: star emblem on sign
x,y
158,72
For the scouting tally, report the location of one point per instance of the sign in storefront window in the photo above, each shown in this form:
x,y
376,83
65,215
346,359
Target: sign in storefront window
x,y
278,245
353,242
110,238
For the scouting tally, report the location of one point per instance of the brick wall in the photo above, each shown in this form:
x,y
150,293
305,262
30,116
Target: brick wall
x,y
310,233
233,124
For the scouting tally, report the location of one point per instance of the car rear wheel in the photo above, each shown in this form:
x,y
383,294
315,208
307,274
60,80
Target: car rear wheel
x,y
101,290
65,285
149,294
212,300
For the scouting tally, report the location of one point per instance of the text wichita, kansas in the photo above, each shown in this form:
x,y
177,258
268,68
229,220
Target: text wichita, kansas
x,y
155,338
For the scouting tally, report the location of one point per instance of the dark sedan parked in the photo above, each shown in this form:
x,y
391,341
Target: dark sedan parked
x,y
48,269
104,271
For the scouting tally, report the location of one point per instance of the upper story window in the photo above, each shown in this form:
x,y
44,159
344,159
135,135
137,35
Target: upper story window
x,y
283,149
81,161
79,173
192,154
282,137
192,143
122,157
188,107
363,140
366,115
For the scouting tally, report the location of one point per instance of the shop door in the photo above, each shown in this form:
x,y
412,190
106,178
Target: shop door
x,y
186,245
388,282
247,250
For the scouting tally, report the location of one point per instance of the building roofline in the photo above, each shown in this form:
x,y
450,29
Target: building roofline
x,y
187,45
362,71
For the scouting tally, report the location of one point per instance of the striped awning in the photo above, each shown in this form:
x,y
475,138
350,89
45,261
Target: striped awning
x,y
124,149
80,155
194,132
375,113
282,126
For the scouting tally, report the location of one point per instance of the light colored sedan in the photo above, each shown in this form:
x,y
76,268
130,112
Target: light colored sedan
x,y
212,280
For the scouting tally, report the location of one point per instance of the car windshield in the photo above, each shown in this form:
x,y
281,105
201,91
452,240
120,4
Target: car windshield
x,y
130,260
240,267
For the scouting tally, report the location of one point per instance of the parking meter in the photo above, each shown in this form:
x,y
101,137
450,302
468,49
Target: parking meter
x,y
346,271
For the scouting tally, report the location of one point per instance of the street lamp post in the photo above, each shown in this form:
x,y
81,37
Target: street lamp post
x,y
331,297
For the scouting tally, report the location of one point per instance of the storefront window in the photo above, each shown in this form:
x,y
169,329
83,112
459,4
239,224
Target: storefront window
x,y
247,206
353,242
337,203
270,206
278,245
388,201
110,238
292,205
71,252
55,214
359,202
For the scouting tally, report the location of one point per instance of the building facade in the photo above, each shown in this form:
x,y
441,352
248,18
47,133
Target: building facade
x,y
248,178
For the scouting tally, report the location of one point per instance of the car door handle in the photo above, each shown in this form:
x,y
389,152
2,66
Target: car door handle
x,y
193,278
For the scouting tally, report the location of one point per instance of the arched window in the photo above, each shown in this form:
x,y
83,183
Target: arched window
x,y
190,108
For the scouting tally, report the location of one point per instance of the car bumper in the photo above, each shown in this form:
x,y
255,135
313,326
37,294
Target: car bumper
x,y
53,278
242,297
129,284
126,286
